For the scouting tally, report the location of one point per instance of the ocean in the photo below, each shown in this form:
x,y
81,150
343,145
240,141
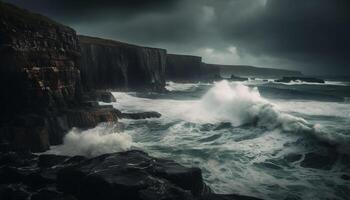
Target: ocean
x,y
257,138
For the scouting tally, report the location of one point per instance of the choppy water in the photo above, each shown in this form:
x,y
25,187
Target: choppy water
x,y
263,139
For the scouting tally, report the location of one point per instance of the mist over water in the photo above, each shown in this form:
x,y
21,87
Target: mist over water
x,y
246,137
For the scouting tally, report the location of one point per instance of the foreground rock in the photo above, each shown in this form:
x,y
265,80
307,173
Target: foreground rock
x,y
304,79
128,175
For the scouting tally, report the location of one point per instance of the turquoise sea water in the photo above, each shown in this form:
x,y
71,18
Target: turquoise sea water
x,y
256,138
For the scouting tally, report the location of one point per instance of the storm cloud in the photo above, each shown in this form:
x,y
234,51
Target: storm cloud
x,y
311,36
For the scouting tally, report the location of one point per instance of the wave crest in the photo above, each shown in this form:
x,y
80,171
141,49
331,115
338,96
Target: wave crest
x,y
239,104
93,142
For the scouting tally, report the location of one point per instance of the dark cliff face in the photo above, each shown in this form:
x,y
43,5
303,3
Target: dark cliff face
x,y
108,64
39,61
40,81
183,67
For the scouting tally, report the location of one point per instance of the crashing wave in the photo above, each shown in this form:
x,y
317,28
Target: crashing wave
x,y
172,86
93,142
240,105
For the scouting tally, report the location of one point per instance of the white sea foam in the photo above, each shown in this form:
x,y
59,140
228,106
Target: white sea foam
x,y
240,105
173,86
93,142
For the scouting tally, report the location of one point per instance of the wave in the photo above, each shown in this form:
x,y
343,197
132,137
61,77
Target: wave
x,y
93,142
232,102
240,105
172,86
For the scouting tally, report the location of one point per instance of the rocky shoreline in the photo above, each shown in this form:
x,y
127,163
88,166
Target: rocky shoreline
x,y
50,85
126,175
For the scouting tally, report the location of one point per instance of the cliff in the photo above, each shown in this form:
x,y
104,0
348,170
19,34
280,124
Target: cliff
x,y
40,81
39,61
108,64
243,70
183,67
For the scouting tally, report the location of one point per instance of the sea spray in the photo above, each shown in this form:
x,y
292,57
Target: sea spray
x,y
239,104
93,142
172,86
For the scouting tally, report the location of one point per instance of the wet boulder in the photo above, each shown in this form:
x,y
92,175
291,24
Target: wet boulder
x,y
131,175
141,115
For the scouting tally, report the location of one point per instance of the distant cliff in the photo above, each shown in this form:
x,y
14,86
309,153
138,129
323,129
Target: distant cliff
x,y
183,67
243,70
108,64
186,68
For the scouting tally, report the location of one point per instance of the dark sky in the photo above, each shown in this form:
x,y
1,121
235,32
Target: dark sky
x,y
308,35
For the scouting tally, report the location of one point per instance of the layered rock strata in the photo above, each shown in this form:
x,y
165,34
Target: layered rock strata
x,y
40,81
108,64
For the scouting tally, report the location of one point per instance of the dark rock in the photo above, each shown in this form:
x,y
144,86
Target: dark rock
x,y
142,115
30,132
47,161
101,95
51,194
34,76
244,70
304,79
209,73
187,68
131,175
39,75
14,192
40,82
91,117
183,68
126,175
17,159
10,175
108,64
237,78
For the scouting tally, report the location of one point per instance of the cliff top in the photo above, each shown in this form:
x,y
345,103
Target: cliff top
x,y
9,12
252,67
109,42
184,55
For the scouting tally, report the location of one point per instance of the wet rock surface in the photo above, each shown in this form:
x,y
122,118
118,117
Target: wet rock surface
x,y
126,175
100,95
141,115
